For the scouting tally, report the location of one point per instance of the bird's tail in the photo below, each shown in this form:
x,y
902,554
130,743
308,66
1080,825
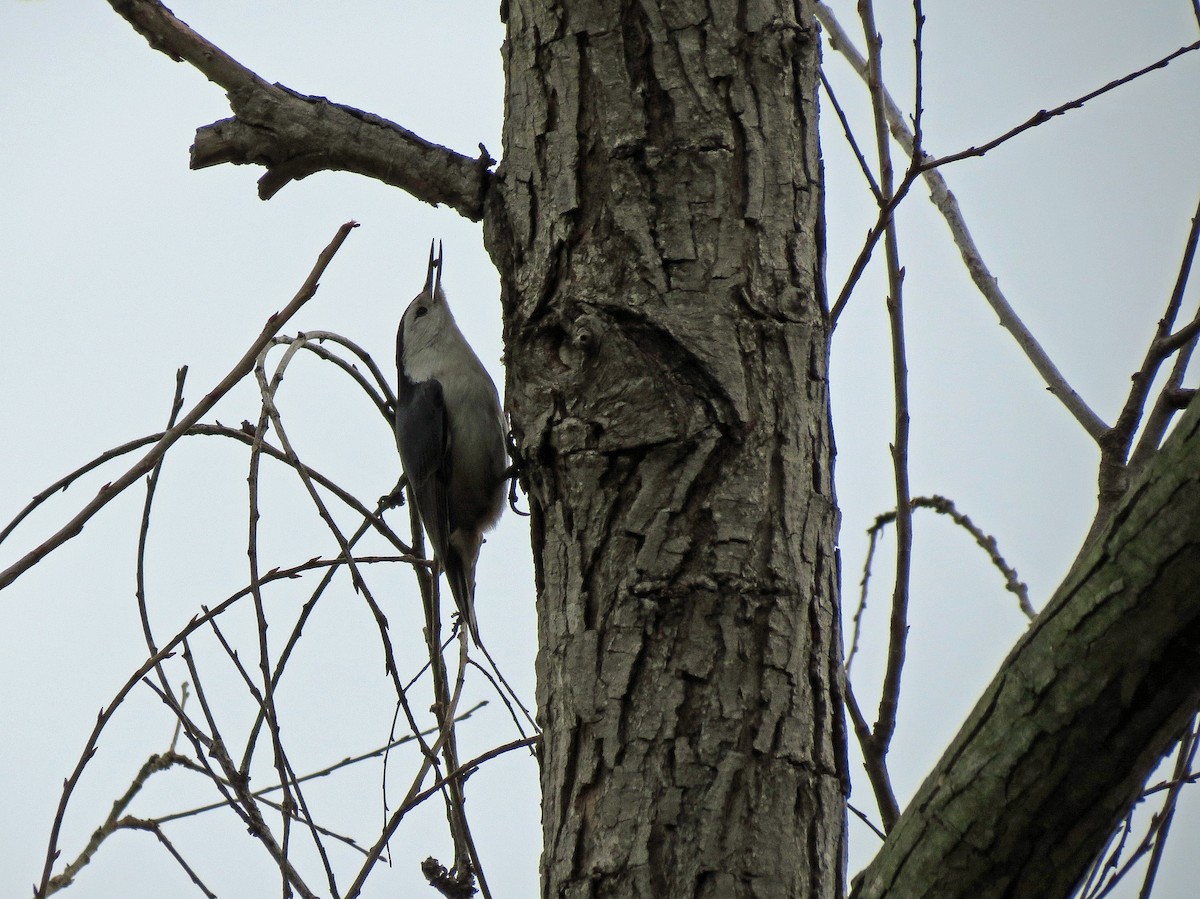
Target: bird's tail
x,y
462,586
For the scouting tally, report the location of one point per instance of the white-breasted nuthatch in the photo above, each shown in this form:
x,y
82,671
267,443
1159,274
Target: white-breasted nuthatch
x,y
451,435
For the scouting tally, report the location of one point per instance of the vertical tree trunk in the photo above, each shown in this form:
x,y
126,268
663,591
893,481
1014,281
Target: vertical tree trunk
x,y
658,231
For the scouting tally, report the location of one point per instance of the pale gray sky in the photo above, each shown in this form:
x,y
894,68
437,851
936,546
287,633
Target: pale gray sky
x,y
120,265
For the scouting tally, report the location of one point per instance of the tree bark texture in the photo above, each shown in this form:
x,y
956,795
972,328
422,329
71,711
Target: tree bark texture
x,y
656,221
1059,746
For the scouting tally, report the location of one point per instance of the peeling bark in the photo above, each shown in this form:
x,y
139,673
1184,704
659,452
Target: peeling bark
x,y
657,226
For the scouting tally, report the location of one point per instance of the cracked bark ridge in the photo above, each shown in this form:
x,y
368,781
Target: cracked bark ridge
x,y
656,222
294,136
1059,746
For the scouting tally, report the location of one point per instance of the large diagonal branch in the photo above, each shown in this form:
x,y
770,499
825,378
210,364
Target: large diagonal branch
x,y
294,136
1061,742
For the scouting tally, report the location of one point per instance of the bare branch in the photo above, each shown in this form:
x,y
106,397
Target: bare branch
x,y
850,139
867,821
243,367
1155,839
873,748
89,749
1166,405
1114,445
946,203
144,530
1137,697
138,824
986,542
321,772
1044,115
889,700
874,763
111,824
295,136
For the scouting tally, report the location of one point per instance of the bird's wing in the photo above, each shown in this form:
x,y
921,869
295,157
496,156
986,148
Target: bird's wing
x,y
423,436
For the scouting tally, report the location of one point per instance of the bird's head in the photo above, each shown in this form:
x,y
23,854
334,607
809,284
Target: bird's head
x,y
426,322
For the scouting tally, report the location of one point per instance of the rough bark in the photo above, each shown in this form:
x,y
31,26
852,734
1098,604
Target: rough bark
x,y
657,225
1061,743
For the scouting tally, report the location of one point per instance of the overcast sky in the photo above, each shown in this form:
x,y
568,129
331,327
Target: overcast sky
x,y
120,265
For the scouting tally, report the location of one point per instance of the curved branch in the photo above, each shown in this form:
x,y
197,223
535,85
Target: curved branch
x,y
293,135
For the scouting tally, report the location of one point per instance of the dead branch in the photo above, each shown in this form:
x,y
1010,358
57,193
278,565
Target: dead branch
x,y
294,136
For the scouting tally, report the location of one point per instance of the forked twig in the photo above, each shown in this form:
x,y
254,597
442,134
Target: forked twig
x,y
946,203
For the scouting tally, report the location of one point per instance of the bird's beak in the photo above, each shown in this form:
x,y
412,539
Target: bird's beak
x,y
437,284
433,263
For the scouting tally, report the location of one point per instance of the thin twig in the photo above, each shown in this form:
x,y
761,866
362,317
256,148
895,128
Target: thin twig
x,y
1115,444
504,690
264,656
874,760
1156,833
183,698
856,629
1044,115
1183,764
152,827
986,542
245,806
89,750
889,700
321,772
1164,409
242,368
428,762
918,78
848,132
167,651
946,203
144,531
867,821
380,391
208,430
111,824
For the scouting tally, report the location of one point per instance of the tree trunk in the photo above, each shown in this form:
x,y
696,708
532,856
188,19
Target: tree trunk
x,y
657,225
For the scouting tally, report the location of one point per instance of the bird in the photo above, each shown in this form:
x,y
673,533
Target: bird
x,y
450,431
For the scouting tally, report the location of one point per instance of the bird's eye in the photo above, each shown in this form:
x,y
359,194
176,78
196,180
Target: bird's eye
x,y
421,310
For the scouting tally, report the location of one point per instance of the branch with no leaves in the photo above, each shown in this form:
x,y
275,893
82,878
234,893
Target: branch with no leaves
x,y
943,506
242,368
295,136
880,736
242,435
926,167
945,201
112,823
875,750
1117,466
167,651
